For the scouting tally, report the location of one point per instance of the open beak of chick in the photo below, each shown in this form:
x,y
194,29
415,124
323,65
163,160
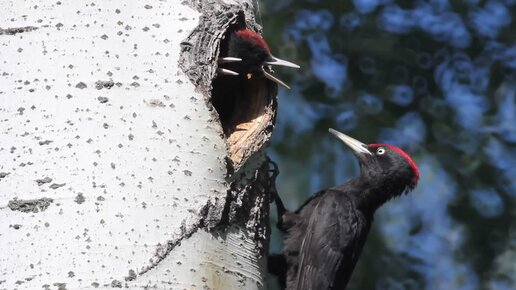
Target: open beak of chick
x,y
266,67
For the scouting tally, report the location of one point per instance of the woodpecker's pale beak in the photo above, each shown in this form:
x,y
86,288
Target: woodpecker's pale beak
x,y
271,60
273,78
224,71
227,72
228,59
276,61
355,145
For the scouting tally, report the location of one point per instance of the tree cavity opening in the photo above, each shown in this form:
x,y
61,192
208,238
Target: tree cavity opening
x,y
245,105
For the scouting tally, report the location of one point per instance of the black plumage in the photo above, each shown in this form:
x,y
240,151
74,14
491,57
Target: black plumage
x,y
245,55
325,236
251,48
244,63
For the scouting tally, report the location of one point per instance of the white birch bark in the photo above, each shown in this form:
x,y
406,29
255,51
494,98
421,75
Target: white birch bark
x,y
113,168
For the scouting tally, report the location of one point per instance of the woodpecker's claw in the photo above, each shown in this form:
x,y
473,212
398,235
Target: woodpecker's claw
x,y
276,61
228,59
223,71
274,79
274,170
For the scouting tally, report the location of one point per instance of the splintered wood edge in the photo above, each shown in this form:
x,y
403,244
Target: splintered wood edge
x,y
250,136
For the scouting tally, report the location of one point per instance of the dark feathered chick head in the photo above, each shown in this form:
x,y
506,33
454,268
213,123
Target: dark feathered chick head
x,y
248,54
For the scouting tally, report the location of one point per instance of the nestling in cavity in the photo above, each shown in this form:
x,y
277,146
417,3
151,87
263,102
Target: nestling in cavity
x,y
248,55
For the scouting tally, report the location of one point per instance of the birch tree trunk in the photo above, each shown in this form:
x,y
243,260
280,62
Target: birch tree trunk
x,y
115,170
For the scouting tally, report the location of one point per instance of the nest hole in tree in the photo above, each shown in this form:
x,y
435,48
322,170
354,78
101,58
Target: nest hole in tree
x,y
245,105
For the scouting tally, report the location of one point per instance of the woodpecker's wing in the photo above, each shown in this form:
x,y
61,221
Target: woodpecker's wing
x,y
330,244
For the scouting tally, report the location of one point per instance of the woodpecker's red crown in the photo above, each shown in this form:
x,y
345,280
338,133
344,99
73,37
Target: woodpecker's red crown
x,y
383,164
253,38
405,156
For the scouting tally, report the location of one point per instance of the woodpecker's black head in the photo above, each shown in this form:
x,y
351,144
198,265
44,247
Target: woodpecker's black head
x,y
248,54
383,166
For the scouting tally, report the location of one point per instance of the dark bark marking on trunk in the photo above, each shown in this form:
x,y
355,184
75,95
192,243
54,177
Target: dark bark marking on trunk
x,y
30,205
43,180
163,251
15,30
246,205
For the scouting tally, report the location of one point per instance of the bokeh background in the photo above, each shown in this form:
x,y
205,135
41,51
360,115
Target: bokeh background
x,y
437,78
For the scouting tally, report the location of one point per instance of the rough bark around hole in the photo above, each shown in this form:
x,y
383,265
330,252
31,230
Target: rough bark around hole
x,y
248,126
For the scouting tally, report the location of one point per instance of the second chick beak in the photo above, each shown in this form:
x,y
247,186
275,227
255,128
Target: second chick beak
x,y
276,61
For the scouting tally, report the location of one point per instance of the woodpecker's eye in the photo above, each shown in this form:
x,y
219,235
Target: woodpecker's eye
x,y
380,151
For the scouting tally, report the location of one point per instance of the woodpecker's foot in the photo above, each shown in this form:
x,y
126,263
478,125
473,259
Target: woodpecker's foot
x,y
288,220
281,210
274,171
273,174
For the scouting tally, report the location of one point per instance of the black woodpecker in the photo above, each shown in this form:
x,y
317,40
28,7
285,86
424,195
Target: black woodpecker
x,y
244,61
325,236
